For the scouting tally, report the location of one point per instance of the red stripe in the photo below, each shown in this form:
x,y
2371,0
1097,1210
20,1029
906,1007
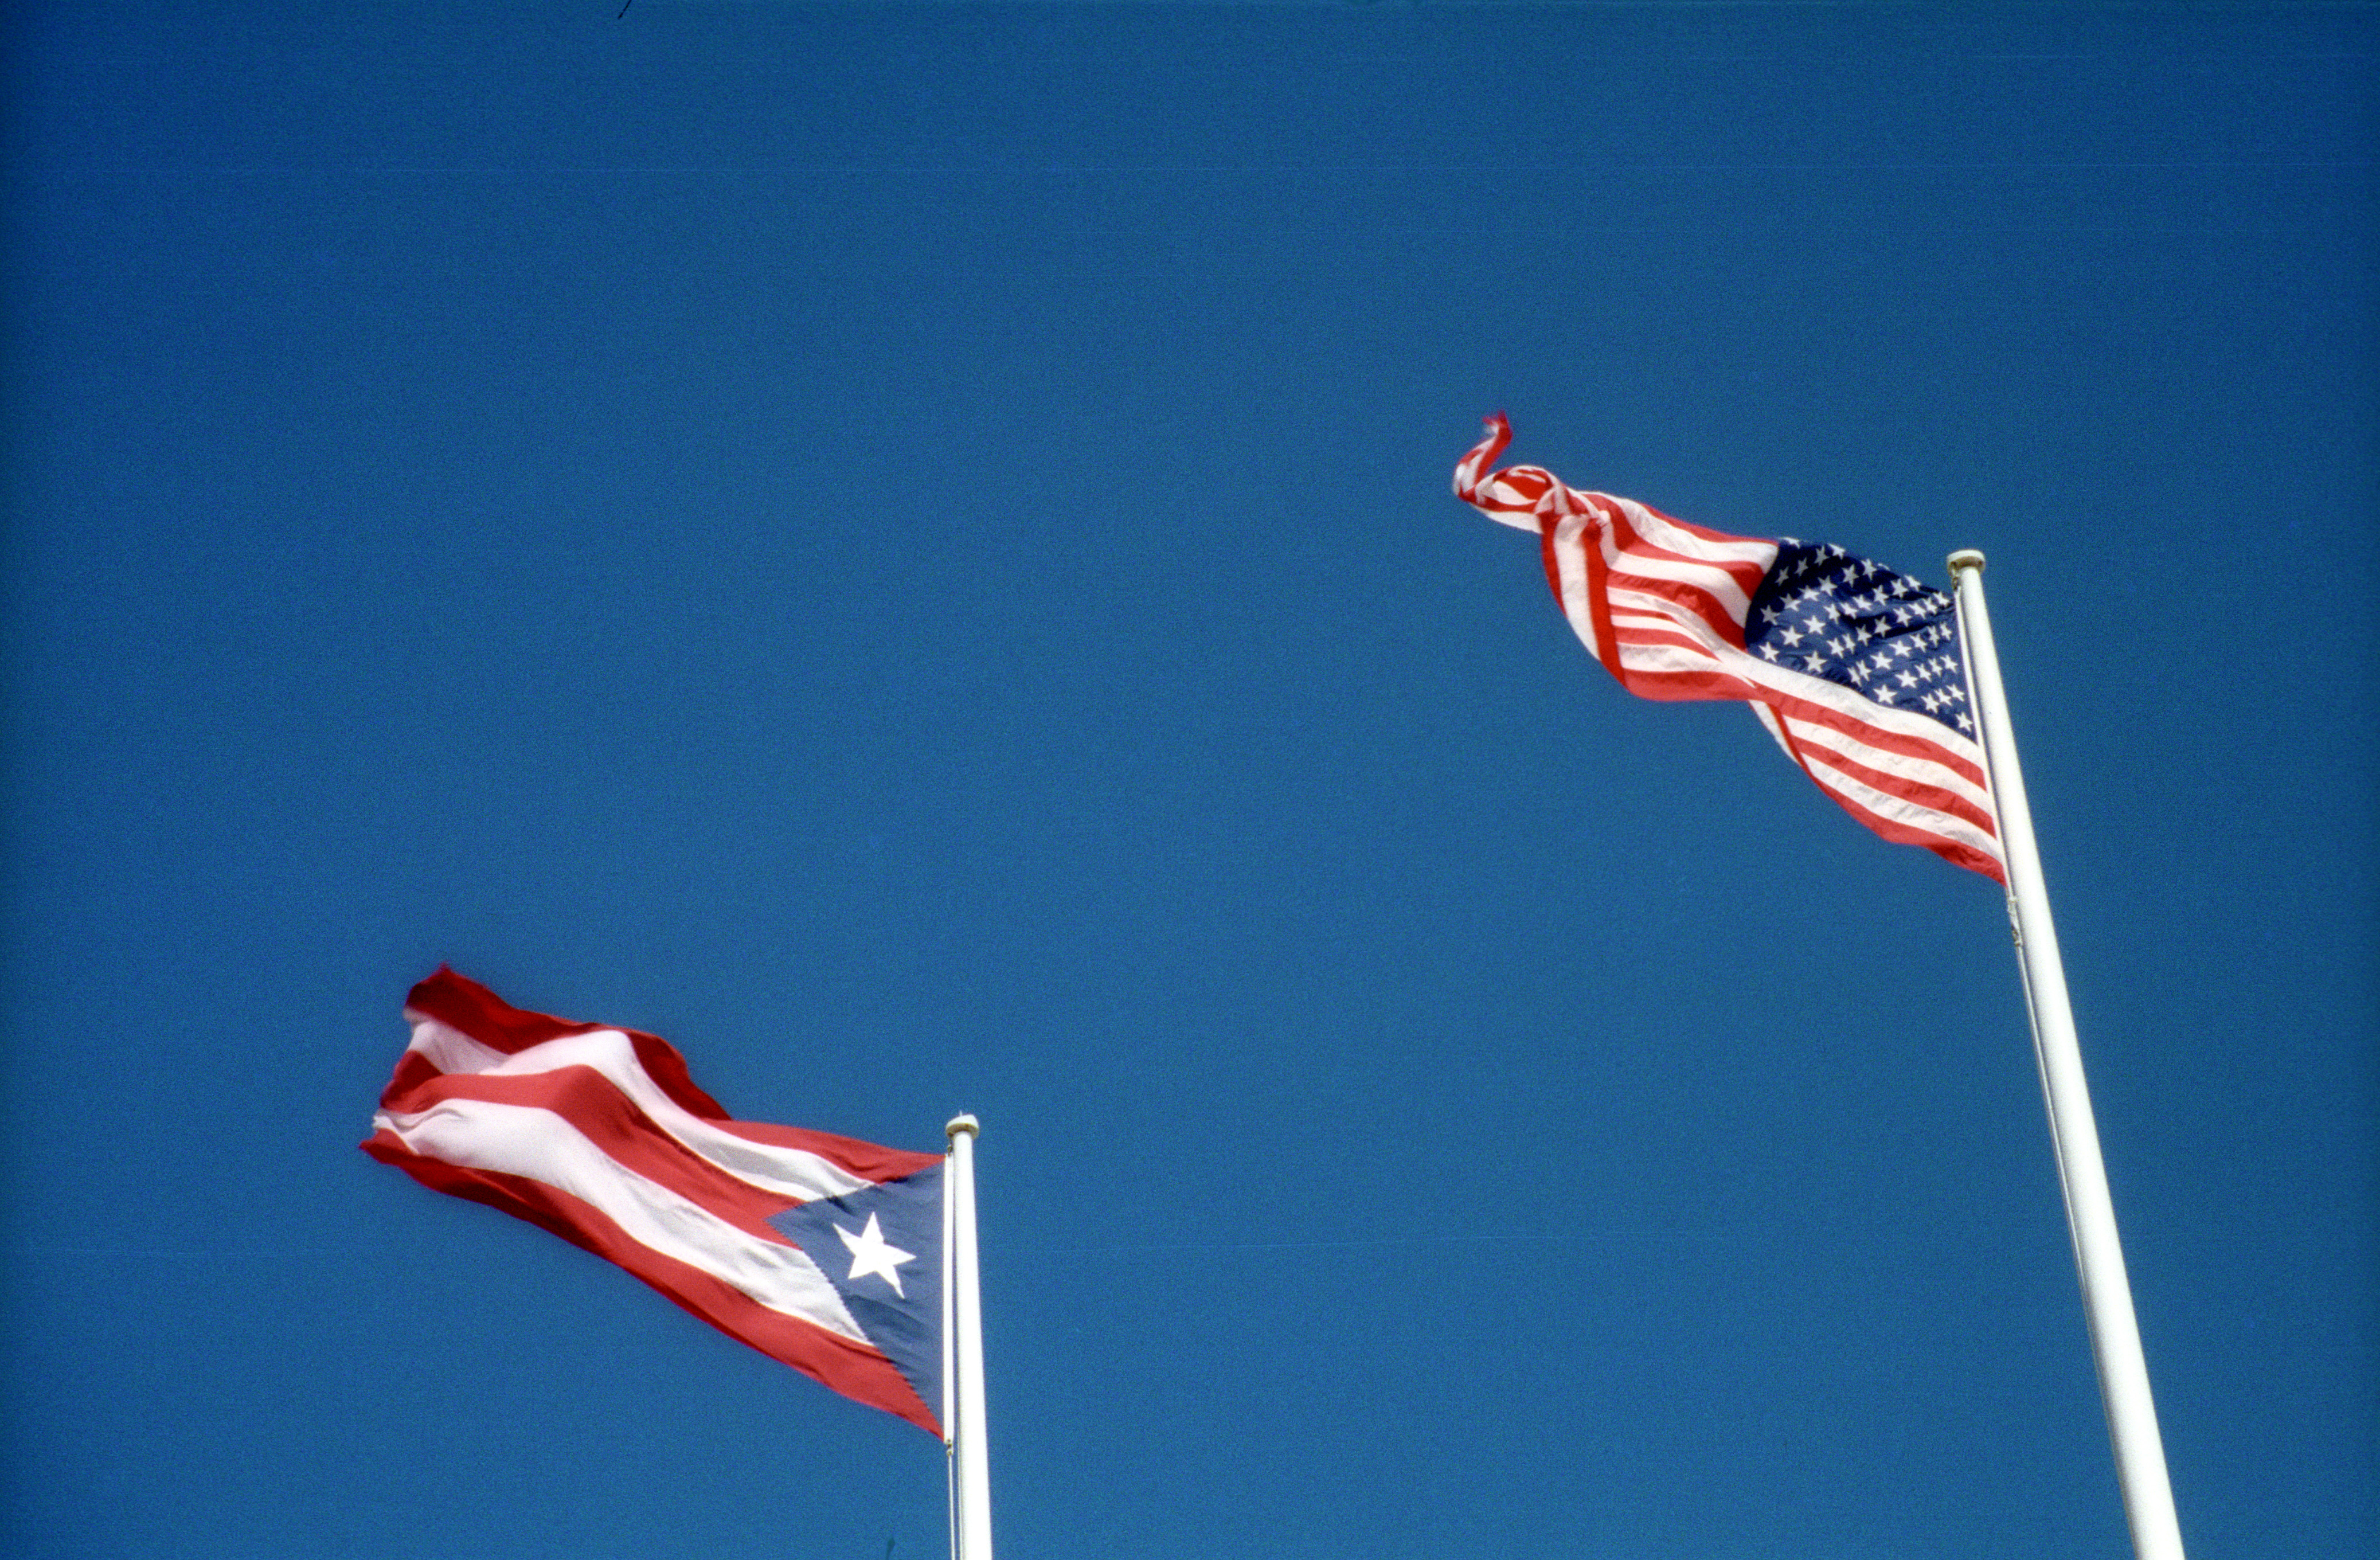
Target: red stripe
x,y
1634,543
413,1070
1924,795
851,1368
1606,653
866,1160
610,1119
1599,587
1481,456
463,1003
1598,596
1692,598
1672,635
460,1002
1957,852
1601,575
1875,736
1529,484
1749,574
1683,687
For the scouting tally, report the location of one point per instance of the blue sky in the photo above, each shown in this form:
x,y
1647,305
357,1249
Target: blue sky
x,y
906,549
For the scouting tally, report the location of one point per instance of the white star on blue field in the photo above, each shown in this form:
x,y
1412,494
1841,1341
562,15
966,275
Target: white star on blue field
x,y
1853,621
872,1256
908,549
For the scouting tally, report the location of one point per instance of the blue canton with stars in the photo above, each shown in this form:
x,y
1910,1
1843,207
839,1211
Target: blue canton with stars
x,y
1855,622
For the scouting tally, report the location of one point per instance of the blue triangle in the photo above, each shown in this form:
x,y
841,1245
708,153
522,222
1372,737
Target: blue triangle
x,y
907,1326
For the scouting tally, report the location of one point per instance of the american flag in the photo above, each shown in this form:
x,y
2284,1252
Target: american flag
x,y
1859,672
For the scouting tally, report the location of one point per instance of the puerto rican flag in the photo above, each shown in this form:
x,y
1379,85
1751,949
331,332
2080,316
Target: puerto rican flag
x,y
820,1251
1859,672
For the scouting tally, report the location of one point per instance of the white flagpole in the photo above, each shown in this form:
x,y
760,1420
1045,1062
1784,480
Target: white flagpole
x,y
2090,1213
970,1472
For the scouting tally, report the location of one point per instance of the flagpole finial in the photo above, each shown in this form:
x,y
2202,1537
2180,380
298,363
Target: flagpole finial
x,y
1965,558
962,1123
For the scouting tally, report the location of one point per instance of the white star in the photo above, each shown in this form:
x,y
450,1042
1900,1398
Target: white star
x,y
870,1254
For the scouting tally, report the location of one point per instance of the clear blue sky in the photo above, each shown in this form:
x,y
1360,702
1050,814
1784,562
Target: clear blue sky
x,y
906,549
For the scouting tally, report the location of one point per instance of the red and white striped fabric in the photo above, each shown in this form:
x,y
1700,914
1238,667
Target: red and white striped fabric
x,y
1858,672
600,1135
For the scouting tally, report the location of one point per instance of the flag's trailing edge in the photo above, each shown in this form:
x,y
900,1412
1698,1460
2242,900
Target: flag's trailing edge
x,y
1859,672
819,1251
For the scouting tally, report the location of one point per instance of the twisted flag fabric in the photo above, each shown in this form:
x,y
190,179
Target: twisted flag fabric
x,y
820,1251
1859,672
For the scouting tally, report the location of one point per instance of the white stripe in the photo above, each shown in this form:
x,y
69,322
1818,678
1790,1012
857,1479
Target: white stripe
x,y
1858,706
1769,723
1900,810
1672,538
1570,562
524,1141
1642,599
1671,657
1720,585
1509,508
1672,626
1800,684
1644,607
1679,659
448,1048
789,1172
1501,502
1652,611
1901,766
